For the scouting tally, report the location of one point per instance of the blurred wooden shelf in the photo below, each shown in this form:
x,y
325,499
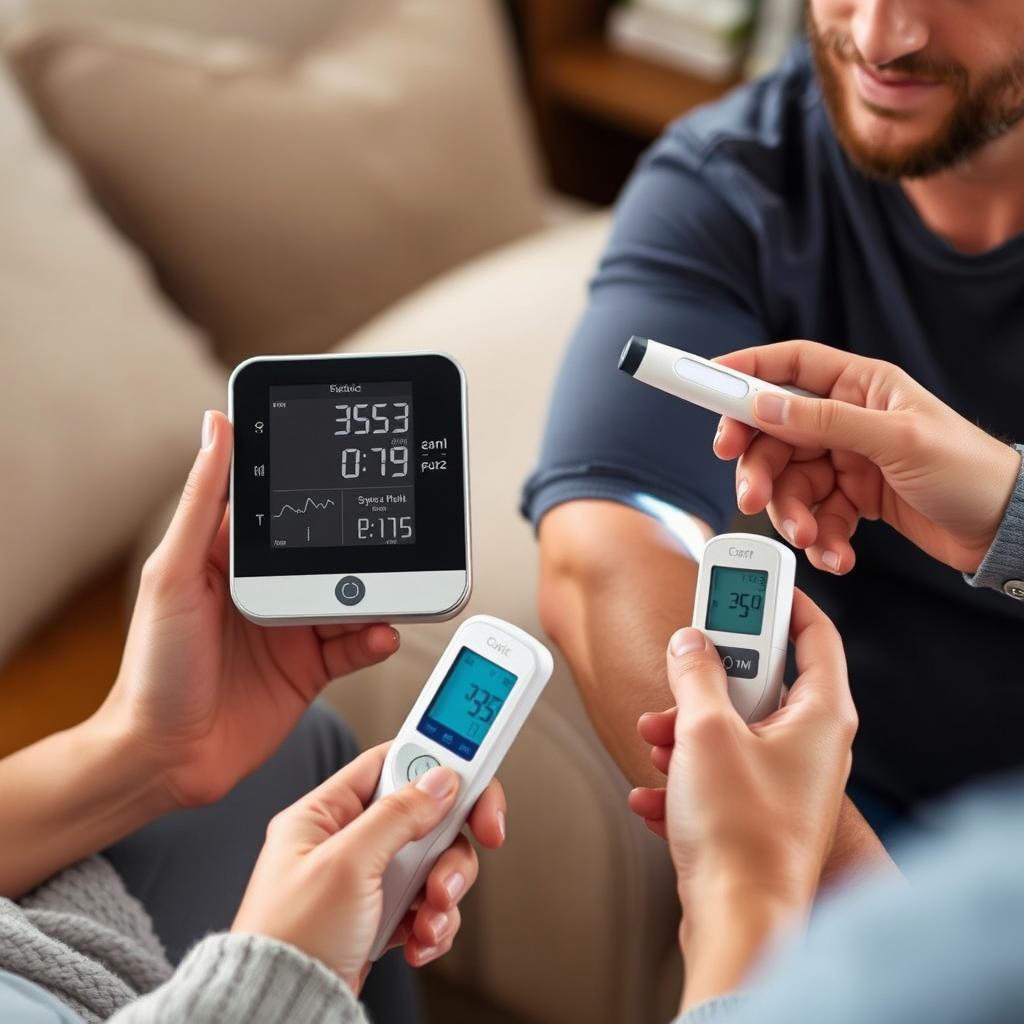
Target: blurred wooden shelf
x,y
595,109
635,94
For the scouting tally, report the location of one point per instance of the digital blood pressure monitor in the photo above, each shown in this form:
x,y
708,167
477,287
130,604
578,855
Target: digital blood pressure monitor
x,y
743,603
466,717
349,488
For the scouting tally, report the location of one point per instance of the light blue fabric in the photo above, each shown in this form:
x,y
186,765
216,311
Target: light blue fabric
x,y
22,1002
947,948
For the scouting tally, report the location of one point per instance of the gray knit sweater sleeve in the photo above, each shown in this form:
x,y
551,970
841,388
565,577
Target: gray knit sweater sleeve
x,y
248,979
1003,565
84,940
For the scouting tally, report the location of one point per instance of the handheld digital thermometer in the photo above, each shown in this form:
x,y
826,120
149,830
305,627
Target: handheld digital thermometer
x,y
696,379
743,603
465,718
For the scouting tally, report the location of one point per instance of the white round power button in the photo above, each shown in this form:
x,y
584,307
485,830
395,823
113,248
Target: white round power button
x,y
420,766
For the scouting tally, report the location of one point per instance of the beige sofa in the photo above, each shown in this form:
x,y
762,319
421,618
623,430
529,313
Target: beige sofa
x,y
576,919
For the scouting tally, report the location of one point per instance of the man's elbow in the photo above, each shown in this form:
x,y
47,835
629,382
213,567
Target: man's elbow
x,y
558,593
573,564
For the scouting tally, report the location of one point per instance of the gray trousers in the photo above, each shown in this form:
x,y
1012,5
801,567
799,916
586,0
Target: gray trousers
x,y
190,868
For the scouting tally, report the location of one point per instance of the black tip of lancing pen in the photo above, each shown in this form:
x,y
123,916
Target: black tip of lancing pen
x,y
632,355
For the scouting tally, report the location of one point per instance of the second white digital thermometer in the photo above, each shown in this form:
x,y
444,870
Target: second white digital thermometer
x,y
465,718
696,379
743,603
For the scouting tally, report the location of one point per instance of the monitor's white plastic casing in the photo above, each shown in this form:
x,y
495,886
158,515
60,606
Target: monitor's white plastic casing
x,y
531,662
390,596
759,696
698,380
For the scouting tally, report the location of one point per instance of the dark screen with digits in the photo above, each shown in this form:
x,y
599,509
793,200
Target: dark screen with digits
x,y
736,600
342,463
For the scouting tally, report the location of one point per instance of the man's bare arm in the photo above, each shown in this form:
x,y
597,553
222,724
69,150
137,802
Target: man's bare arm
x,y
615,583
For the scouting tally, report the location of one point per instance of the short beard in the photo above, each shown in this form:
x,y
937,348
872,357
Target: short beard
x,y
980,115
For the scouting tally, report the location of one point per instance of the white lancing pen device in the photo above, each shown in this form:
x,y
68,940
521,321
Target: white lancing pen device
x,y
698,380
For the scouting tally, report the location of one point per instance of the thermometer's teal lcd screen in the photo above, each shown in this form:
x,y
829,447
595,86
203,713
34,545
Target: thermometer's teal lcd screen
x,y
736,601
467,703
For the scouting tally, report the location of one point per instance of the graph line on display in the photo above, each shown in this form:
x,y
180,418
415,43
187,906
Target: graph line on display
x,y
305,508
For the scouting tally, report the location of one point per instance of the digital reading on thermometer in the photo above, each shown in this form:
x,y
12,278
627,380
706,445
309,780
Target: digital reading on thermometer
x,y
466,718
743,603
349,488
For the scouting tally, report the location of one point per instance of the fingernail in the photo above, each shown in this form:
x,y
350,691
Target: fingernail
x,y
437,923
206,437
789,529
438,782
455,885
831,560
396,638
718,434
686,640
426,953
741,489
771,408
502,825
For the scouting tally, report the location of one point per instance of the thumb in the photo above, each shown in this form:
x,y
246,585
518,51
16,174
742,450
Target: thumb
x,y
697,679
186,544
374,838
824,423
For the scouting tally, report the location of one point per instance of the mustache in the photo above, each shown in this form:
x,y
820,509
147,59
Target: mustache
x,y
913,65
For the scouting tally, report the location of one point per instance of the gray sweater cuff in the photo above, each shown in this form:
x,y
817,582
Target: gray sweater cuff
x,y
720,1010
1003,565
247,979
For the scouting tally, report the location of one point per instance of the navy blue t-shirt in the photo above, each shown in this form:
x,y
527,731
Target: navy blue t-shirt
x,y
746,224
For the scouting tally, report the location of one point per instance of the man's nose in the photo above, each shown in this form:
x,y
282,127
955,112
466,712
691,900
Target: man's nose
x,y
885,30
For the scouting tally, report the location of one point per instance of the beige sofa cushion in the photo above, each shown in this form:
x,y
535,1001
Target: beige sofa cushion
x,y
103,386
289,26
575,919
285,199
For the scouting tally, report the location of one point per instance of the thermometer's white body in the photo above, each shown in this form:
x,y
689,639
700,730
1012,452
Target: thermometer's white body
x,y
754,664
413,753
698,380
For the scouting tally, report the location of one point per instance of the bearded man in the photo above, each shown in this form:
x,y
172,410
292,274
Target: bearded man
x,y
868,195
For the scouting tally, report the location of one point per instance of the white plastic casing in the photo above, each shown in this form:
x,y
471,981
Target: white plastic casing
x,y
704,383
759,695
390,596
531,663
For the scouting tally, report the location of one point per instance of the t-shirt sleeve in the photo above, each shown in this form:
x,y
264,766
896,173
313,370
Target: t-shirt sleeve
x,y
680,267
